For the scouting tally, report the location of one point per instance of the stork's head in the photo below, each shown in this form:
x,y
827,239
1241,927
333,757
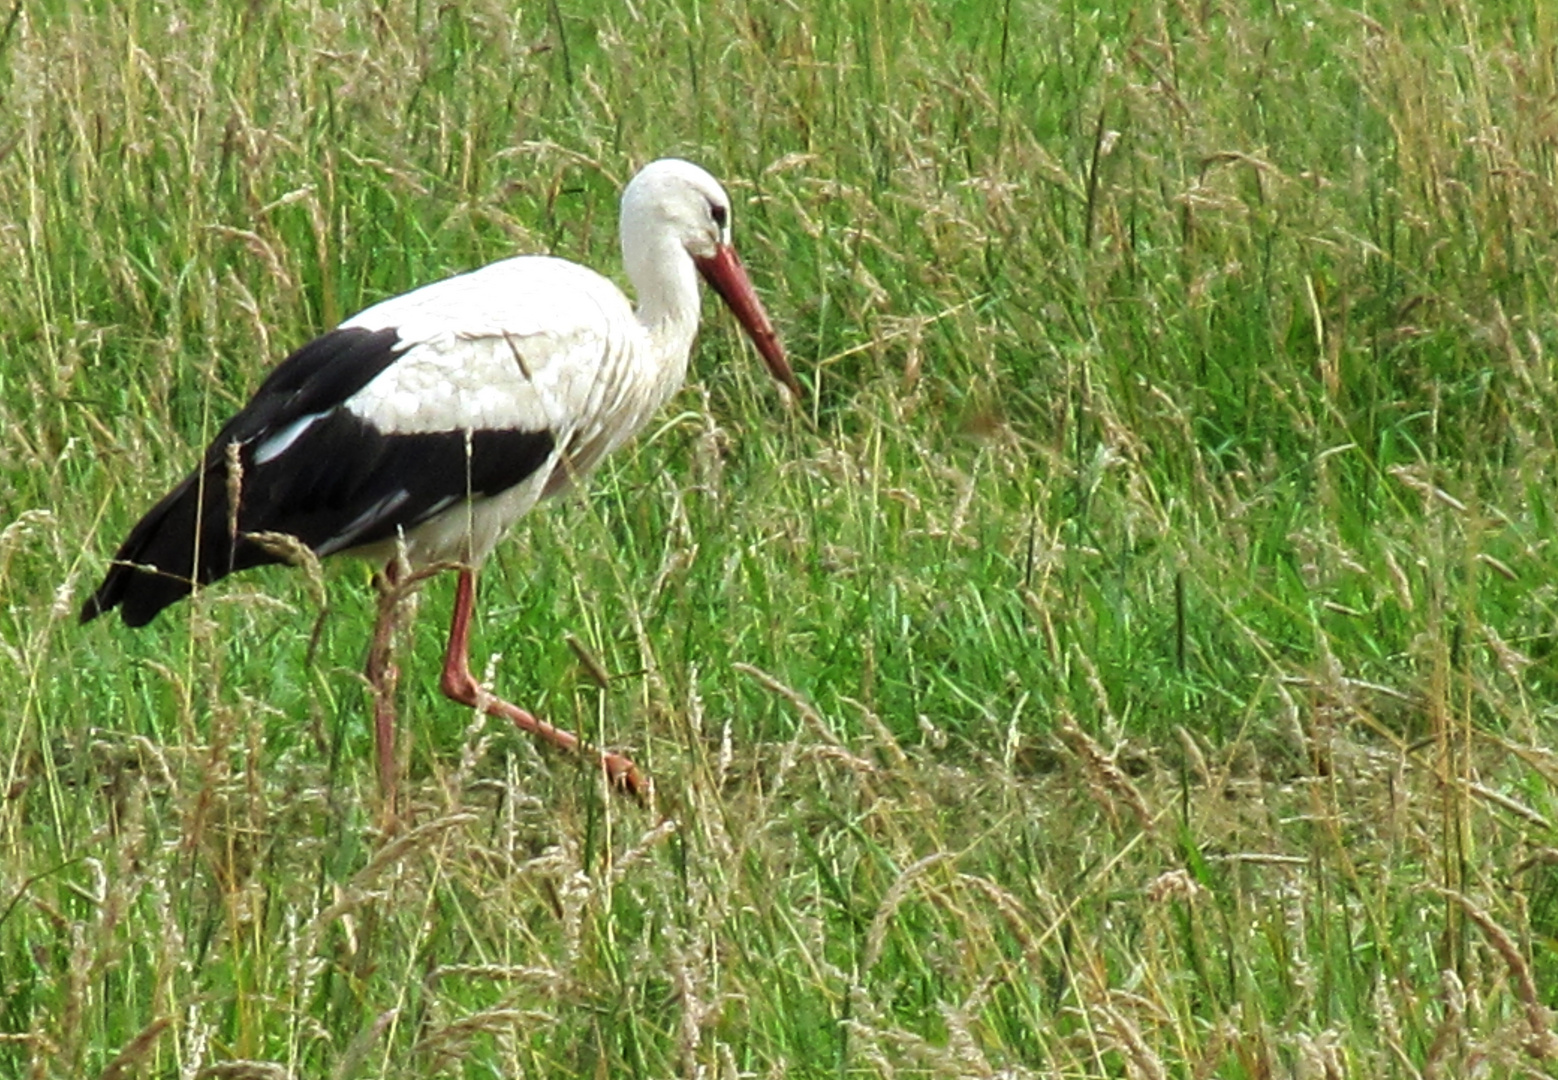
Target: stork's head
x,y
676,199
682,199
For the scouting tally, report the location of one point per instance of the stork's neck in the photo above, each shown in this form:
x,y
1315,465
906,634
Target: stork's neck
x,y
666,281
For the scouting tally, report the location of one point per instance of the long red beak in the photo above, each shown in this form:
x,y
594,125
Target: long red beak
x,y
726,276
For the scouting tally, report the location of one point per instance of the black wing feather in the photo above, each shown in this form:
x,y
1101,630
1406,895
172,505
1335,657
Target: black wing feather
x,y
342,483
315,379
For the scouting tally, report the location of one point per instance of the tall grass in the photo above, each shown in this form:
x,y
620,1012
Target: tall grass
x,y
1136,659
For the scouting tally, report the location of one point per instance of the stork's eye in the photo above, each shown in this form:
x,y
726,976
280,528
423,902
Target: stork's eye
x,y
719,214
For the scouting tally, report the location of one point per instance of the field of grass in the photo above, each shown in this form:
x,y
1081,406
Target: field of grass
x,y
1138,658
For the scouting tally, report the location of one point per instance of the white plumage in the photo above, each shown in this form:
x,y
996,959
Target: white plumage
x,y
527,342
430,422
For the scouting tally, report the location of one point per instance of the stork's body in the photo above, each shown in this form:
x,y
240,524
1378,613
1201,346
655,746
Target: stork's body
x,y
429,423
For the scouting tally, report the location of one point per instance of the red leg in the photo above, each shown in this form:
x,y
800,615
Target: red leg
x,y
458,685
383,677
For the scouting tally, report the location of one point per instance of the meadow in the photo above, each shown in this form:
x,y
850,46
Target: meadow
x,y
1136,657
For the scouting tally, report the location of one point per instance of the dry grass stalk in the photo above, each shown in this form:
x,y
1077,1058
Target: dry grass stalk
x,y
1514,806
1017,918
833,749
884,737
1451,1031
547,978
1142,1060
1541,1042
444,1044
292,551
1108,779
402,847
136,1051
362,1044
889,905
244,1070
642,848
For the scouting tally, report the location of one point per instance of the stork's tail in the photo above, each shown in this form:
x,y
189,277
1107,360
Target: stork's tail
x,y
182,541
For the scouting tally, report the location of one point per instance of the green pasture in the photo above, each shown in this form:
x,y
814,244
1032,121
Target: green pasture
x,y
1137,657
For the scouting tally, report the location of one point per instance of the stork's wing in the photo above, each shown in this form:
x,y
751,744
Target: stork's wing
x,y
459,390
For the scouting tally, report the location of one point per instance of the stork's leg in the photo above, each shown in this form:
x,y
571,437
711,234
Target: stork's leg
x,y
383,677
458,685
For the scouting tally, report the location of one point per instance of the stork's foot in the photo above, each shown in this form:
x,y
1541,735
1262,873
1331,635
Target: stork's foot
x,y
623,776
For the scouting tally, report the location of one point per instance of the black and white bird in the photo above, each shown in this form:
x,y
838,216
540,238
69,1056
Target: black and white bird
x,y
418,431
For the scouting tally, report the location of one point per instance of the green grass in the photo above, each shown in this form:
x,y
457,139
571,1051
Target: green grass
x,y
1139,657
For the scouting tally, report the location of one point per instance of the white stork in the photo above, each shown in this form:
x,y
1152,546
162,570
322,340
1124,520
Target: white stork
x,y
426,425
